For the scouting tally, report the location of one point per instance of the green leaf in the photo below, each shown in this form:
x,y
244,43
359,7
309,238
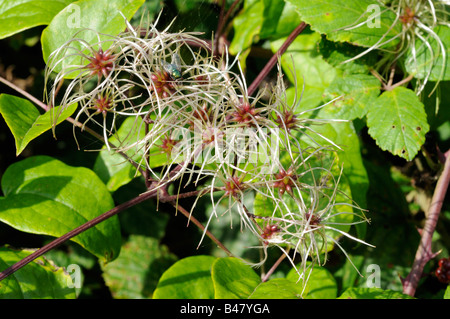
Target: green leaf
x,y
436,104
247,26
271,16
185,6
72,253
421,62
287,22
398,122
40,279
447,293
352,186
87,16
278,288
25,121
21,15
188,278
46,196
338,54
356,92
135,273
334,17
233,279
303,65
320,285
113,169
372,293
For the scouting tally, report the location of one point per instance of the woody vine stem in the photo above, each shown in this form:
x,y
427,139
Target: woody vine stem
x,y
424,253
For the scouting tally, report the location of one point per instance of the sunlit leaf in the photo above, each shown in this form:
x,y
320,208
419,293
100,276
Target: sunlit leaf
x,y
21,15
46,196
233,279
372,23
320,285
398,122
26,122
188,278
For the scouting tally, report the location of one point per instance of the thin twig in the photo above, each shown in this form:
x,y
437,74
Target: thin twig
x,y
389,86
273,268
424,253
405,80
199,225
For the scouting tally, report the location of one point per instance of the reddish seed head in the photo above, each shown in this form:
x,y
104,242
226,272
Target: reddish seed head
x,y
168,144
101,63
245,114
269,231
103,104
233,186
408,17
287,120
163,85
285,181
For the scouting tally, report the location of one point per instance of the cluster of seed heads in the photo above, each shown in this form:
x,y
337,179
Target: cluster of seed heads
x,y
193,119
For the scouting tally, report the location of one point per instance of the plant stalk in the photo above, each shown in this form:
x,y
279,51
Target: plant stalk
x,y
424,253
299,29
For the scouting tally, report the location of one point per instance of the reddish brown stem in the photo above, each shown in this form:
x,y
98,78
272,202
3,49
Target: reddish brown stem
x,y
273,268
273,61
424,253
